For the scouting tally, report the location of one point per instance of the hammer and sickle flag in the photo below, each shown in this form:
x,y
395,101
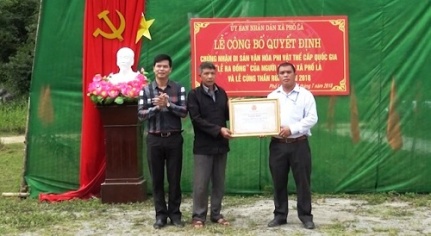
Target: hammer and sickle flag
x,y
108,26
116,32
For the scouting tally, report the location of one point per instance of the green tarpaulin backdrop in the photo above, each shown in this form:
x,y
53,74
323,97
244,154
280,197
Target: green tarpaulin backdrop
x,y
389,42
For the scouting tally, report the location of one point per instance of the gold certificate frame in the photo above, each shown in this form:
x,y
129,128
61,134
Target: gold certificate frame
x,y
254,117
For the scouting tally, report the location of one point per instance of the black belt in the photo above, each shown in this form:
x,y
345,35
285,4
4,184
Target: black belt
x,y
166,134
289,140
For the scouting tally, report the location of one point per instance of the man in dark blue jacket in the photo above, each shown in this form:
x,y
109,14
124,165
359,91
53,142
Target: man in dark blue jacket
x,y
208,109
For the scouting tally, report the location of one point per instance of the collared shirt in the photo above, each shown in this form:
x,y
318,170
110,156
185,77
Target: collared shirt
x,y
210,92
297,110
167,119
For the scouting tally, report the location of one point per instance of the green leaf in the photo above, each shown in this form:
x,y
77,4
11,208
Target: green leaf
x,y
99,99
119,100
93,98
129,99
109,100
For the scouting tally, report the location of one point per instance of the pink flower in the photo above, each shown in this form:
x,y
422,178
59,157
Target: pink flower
x,y
132,92
141,77
101,88
106,85
122,87
113,93
125,89
103,92
94,87
134,84
97,77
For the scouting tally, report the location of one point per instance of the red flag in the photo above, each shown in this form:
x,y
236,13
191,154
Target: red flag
x,y
108,26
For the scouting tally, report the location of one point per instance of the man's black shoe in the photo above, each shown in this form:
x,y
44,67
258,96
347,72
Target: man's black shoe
x,y
177,223
159,224
275,222
309,225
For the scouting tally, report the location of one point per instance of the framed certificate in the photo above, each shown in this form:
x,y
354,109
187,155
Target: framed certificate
x,y
254,117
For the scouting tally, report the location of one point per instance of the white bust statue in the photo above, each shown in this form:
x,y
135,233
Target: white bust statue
x,y
125,60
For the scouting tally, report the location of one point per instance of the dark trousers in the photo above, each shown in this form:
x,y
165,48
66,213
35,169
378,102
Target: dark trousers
x,y
169,151
282,158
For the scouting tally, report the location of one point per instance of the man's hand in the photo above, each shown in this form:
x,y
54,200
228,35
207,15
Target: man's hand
x,y
161,101
225,132
285,131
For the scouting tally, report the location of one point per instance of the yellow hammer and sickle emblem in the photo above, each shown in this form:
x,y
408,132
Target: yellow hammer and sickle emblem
x,y
116,32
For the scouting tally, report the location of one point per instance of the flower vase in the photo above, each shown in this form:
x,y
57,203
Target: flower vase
x,y
124,179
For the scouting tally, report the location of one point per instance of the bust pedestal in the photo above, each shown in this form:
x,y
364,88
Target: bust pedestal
x,y
124,179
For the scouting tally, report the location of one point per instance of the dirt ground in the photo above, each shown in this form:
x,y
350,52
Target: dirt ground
x,y
332,216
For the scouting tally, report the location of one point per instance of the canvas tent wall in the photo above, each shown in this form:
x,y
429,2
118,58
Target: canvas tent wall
x,y
389,45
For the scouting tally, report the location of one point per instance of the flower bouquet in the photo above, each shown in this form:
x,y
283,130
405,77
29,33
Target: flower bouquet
x,y
103,92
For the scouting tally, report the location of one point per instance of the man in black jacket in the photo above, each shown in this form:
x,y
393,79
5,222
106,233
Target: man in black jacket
x,y
208,109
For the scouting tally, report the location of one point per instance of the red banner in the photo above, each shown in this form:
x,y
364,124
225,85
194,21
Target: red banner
x,y
247,51
108,26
